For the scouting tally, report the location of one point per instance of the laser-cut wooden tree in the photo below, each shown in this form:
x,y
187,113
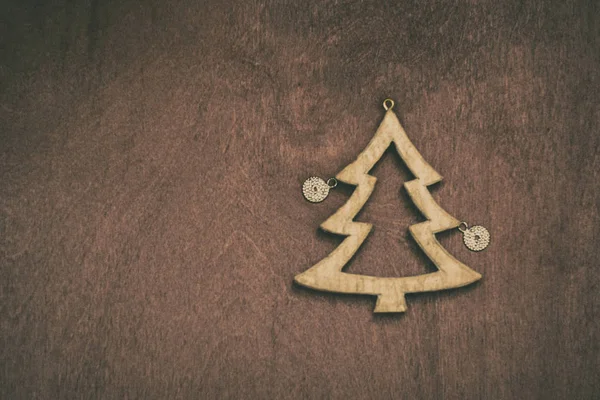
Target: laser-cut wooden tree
x,y
327,275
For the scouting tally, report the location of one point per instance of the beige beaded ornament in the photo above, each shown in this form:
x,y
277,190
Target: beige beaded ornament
x,y
316,189
476,238
327,274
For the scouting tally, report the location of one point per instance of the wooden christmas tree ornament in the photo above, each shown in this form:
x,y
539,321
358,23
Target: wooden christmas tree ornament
x,y
327,275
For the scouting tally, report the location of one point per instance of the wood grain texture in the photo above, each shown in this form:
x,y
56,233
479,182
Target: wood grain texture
x,y
327,274
151,217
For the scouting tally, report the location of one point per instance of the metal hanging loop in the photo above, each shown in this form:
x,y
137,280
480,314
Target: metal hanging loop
x,y
388,104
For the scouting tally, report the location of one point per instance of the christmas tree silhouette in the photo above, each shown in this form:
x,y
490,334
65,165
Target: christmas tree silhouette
x,y
327,275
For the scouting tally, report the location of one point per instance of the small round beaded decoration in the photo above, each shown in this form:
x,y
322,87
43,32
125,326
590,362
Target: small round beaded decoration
x,y
476,238
316,189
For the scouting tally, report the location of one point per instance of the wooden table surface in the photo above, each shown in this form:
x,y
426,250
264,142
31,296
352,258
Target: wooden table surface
x,y
151,216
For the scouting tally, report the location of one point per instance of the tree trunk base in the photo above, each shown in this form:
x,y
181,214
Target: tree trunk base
x,y
390,303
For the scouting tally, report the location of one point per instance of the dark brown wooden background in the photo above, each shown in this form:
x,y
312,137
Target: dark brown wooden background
x,y
152,221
